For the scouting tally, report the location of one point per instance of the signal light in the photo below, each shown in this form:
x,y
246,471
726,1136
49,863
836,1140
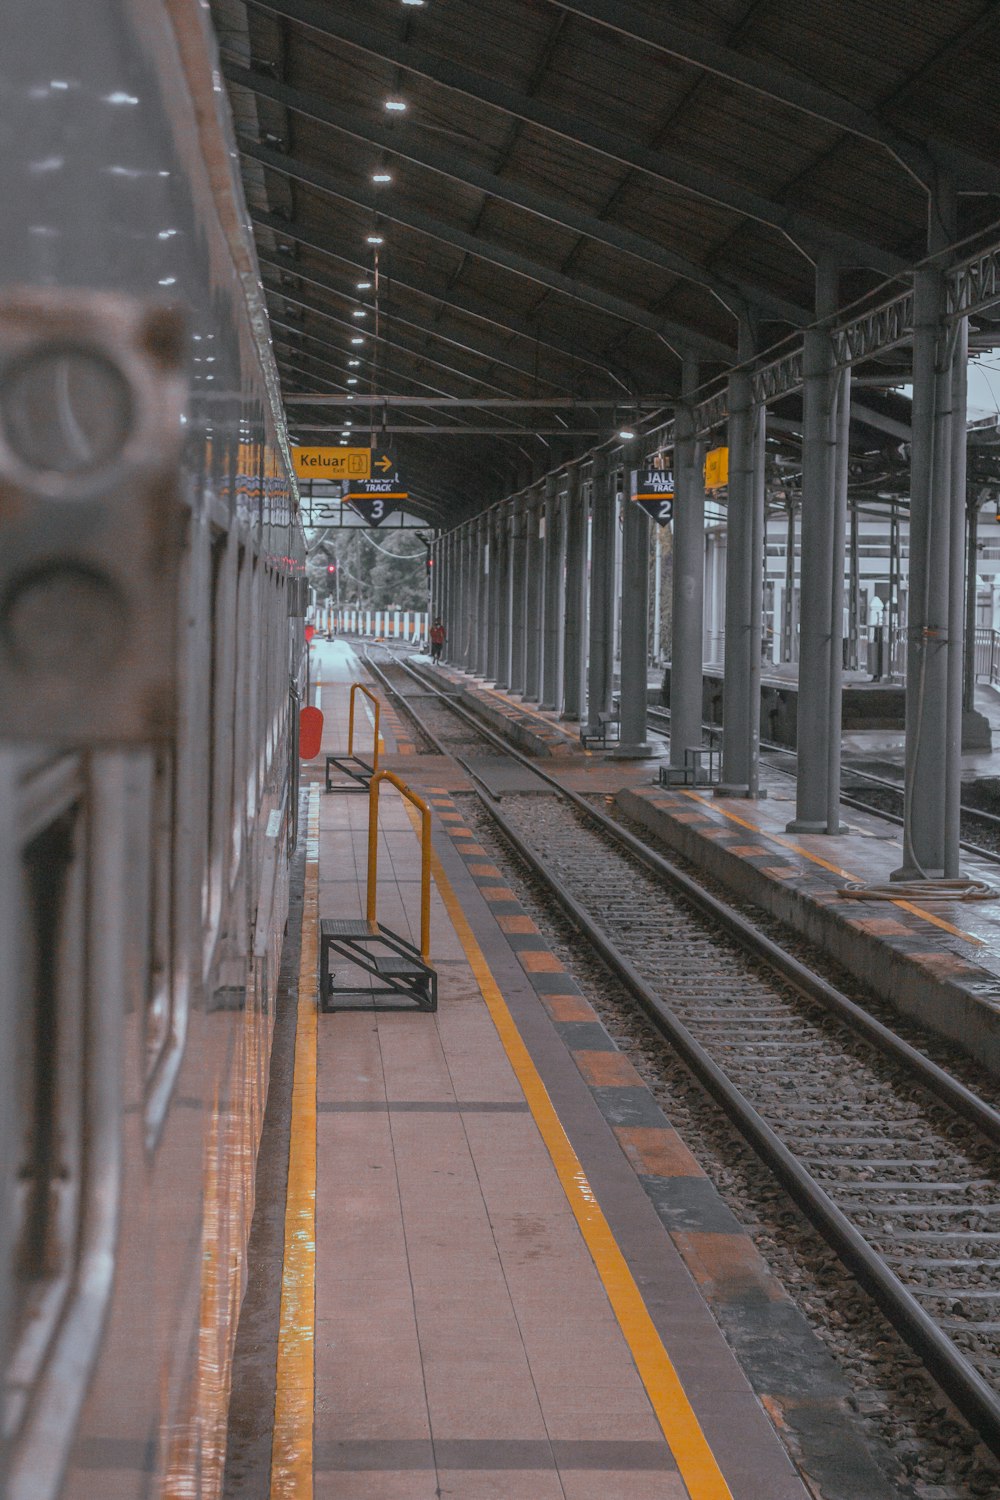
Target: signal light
x,y
331,567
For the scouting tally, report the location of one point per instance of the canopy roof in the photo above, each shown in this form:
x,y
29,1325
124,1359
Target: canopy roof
x,y
584,193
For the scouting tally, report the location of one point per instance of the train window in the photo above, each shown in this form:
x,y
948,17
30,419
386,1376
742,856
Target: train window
x,y
49,1053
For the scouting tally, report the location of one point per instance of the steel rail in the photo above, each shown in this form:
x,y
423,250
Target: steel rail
x,y
791,969
971,1394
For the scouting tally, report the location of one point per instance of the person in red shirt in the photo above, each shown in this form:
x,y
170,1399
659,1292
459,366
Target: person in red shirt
x,y
437,639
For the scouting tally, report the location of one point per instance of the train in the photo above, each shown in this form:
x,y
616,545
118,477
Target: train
x,y
152,595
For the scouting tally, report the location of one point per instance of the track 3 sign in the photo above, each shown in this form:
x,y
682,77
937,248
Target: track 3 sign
x,y
653,490
375,497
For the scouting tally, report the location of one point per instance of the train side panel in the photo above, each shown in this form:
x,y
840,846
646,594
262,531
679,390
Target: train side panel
x,y
148,883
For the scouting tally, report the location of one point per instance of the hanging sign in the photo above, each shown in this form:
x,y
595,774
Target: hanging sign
x,y
332,463
375,496
716,468
373,507
653,491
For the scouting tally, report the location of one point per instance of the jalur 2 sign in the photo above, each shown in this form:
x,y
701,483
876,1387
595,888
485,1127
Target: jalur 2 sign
x,y
653,489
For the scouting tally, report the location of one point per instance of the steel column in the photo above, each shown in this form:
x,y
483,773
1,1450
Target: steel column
x,y
959,373
820,555
741,635
688,574
551,684
482,594
635,631
518,586
575,531
841,458
929,767
600,656
503,596
534,594
493,597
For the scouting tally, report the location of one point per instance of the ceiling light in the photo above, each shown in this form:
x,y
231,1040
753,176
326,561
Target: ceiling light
x,y
357,341
353,363
413,2
352,379
351,398
363,286
395,106
374,239
381,177
359,312
626,433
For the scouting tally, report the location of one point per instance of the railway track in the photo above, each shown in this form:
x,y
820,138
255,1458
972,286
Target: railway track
x,y
894,1160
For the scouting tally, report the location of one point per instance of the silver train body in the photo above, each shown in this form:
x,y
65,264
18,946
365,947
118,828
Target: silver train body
x,y
151,566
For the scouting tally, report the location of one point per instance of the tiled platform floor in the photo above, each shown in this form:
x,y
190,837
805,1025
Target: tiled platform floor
x,y
466,1339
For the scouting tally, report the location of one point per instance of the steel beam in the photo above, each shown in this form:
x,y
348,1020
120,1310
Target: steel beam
x,y
681,335
803,230
557,403
518,604
491,349
413,146
463,302
922,159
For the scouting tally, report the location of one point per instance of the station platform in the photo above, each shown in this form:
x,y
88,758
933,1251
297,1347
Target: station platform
x,y
503,1276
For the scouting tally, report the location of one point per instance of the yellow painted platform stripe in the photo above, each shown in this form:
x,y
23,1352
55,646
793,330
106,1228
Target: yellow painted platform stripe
x,y
292,1443
917,911
688,1444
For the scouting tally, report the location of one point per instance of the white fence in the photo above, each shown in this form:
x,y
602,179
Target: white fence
x,y
373,624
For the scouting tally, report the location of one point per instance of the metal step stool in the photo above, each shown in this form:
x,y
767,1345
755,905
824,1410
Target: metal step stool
x,y
393,963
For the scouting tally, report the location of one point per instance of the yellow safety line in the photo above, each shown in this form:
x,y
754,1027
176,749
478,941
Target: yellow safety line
x,y
292,1443
775,838
688,1444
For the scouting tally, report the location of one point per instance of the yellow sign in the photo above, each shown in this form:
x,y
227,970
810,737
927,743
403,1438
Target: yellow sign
x,y
716,468
332,463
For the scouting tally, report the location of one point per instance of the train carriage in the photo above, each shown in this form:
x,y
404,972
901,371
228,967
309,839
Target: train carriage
x,y
151,566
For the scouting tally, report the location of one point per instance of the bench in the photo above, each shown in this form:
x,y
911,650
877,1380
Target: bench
x,y
702,766
608,731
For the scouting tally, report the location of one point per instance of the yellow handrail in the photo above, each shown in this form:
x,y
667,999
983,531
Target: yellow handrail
x,y
359,687
425,854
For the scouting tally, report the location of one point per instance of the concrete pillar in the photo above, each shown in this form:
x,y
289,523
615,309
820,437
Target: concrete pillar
x,y
551,684
535,594
688,573
518,585
930,807
575,530
741,636
503,596
600,653
468,597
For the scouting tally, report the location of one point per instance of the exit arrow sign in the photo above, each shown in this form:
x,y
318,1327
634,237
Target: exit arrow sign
x,y
383,462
